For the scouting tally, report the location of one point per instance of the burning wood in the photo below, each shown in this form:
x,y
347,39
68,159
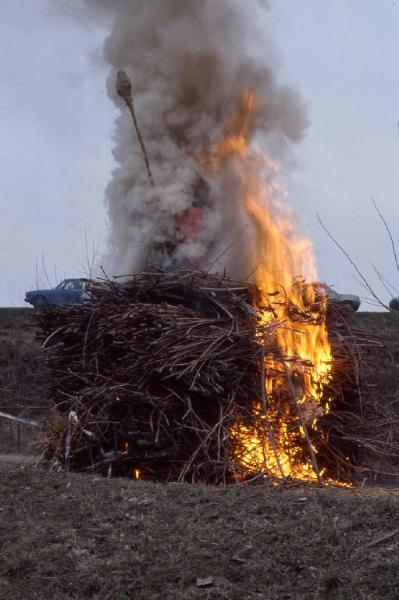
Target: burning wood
x,y
167,376
190,376
186,375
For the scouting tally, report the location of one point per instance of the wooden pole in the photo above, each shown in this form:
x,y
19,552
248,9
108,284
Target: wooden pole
x,y
124,90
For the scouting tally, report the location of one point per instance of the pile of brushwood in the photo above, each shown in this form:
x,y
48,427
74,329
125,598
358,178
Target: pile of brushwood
x,y
148,376
360,433
162,376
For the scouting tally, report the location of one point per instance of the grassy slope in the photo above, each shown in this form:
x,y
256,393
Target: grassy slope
x,y
22,375
70,536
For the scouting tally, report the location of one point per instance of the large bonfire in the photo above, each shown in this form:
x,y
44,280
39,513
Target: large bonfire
x,y
232,373
213,360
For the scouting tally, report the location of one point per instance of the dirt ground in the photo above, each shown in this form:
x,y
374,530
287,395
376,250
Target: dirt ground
x,y
67,536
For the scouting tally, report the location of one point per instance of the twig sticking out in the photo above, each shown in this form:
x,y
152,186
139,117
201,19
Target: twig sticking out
x,y
124,90
381,539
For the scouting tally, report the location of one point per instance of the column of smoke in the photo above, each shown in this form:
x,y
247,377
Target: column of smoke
x,y
189,61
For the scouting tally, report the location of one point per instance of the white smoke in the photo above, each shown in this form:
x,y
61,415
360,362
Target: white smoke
x,y
189,61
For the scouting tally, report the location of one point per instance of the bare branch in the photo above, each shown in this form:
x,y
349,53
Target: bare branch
x,y
354,265
390,289
45,272
389,233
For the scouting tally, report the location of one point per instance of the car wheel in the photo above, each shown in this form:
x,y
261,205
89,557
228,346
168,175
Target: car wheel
x,y
40,302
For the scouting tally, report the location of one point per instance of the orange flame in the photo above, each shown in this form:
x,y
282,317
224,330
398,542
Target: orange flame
x,y
285,264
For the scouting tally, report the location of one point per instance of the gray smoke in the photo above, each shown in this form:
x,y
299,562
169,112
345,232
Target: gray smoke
x,y
189,61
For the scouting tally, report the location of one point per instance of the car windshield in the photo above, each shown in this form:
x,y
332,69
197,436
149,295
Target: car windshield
x,y
70,284
74,284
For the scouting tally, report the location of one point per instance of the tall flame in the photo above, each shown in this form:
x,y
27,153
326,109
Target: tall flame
x,y
284,269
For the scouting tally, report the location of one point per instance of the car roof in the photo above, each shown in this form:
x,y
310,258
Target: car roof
x,y
77,279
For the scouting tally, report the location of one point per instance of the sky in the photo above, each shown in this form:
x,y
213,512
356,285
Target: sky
x,y
56,126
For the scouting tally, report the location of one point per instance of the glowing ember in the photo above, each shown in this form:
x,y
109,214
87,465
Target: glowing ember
x,y
136,473
273,441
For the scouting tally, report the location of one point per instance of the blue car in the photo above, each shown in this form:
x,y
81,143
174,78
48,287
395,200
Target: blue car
x,y
69,291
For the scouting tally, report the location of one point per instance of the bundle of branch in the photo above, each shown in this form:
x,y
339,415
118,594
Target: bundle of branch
x,y
163,375
148,376
355,440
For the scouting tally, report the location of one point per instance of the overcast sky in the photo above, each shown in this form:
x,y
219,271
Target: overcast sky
x,y
56,126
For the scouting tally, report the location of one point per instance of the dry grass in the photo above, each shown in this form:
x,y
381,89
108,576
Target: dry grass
x,y
22,373
22,439
22,379
72,536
